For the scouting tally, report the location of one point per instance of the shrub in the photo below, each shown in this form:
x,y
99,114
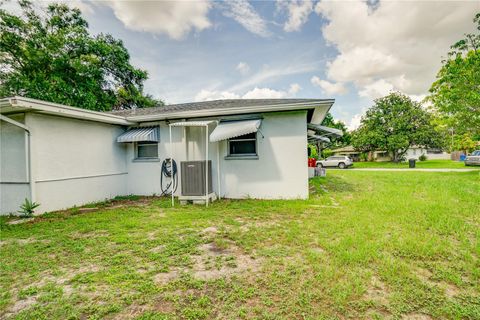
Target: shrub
x,y
363,156
28,208
326,153
423,157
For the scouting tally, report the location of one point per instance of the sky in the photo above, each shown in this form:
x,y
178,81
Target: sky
x,y
352,51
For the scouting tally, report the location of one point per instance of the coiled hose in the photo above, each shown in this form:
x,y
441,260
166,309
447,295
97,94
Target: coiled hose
x,y
169,171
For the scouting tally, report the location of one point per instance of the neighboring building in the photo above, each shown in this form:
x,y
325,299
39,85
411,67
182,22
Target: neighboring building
x,y
60,156
353,154
412,153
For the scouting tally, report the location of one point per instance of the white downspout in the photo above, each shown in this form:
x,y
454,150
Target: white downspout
x,y
206,165
218,170
171,159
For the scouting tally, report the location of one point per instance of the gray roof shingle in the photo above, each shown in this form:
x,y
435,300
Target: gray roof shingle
x,y
214,104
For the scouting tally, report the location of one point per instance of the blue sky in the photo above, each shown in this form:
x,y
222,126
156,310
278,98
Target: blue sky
x,y
351,51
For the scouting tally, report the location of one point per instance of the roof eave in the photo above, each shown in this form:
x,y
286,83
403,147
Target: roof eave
x,y
231,111
21,104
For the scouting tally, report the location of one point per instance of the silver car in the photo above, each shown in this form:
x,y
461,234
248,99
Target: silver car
x,y
341,162
473,159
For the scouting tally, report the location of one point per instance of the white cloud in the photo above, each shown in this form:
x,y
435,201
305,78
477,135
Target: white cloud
x,y
206,95
329,87
294,89
396,45
271,73
354,122
264,93
173,18
298,12
255,93
245,14
376,89
243,68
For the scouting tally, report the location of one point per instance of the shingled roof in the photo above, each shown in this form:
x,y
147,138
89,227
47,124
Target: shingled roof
x,y
215,104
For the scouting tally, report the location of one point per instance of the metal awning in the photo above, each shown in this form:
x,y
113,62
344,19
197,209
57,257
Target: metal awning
x,y
324,130
231,129
318,138
191,123
140,134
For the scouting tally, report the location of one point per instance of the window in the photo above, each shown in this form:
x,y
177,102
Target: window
x,y
147,150
245,145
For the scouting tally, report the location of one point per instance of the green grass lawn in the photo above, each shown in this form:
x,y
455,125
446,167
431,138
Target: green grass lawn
x,y
428,164
367,245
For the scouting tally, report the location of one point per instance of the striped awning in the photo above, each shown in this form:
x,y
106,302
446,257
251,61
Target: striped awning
x,y
325,130
231,129
318,138
140,134
191,123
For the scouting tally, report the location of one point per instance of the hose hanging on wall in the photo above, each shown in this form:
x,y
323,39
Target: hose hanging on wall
x,y
169,170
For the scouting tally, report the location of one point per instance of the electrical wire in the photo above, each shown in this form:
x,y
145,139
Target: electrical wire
x,y
169,171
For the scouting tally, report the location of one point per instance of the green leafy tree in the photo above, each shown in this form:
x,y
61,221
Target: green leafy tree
x,y
394,124
456,92
465,143
51,56
344,140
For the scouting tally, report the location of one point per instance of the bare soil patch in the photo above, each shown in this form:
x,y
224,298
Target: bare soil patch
x,y
425,276
416,316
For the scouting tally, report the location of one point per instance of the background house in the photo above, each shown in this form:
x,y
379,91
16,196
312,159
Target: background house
x,y
412,153
60,156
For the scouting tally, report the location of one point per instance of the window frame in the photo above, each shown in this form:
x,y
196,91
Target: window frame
x,y
140,143
243,155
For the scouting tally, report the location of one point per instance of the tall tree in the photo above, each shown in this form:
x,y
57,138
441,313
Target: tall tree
x,y
456,92
394,124
52,56
344,140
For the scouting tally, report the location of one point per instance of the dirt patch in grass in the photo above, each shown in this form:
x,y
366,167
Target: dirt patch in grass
x,y
20,305
210,231
377,292
158,305
213,262
62,281
24,242
90,234
416,316
425,276
20,221
165,277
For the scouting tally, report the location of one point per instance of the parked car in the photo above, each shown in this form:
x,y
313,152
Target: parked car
x,y
341,162
473,159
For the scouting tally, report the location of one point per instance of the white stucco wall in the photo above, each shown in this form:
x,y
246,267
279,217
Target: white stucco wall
x,y
75,162
279,172
281,169
14,187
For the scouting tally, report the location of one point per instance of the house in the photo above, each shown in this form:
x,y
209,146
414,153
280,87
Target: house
x,y
354,154
413,152
60,156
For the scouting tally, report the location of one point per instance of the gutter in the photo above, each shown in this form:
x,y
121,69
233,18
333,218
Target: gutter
x,y
28,135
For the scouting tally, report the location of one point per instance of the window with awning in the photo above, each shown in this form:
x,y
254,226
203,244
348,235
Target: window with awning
x,y
145,134
231,129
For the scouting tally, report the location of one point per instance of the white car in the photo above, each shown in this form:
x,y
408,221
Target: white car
x,y
473,159
341,162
